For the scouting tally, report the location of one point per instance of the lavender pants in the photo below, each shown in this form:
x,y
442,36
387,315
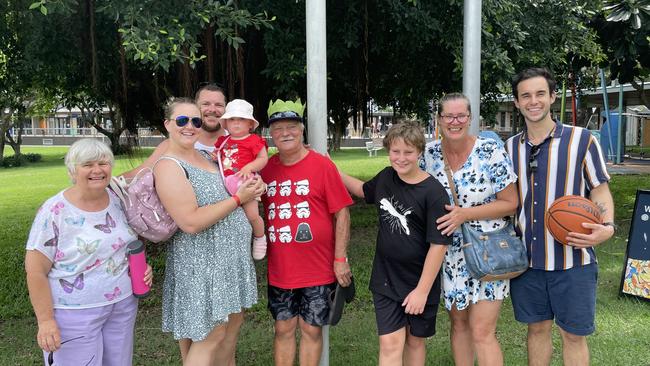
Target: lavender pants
x,y
97,336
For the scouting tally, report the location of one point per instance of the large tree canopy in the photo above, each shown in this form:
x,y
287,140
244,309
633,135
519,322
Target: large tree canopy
x,y
132,55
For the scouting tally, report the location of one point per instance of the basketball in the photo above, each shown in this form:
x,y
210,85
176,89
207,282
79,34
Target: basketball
x,y
567,214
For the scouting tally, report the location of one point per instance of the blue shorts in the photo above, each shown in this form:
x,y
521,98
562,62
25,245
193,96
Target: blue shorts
x,y
567,296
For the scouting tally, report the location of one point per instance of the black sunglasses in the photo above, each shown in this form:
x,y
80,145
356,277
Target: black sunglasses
x,y
532,159
181,121
50,356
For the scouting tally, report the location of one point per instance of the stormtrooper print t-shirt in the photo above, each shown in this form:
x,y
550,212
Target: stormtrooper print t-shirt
x,y
407,227
299,208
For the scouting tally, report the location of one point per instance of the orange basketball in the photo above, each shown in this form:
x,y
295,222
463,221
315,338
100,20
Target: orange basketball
x,y
568,213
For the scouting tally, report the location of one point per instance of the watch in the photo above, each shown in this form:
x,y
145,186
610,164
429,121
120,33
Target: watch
x,y
613,225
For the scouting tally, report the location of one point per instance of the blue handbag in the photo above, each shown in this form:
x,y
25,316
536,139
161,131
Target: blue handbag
x,y
494,255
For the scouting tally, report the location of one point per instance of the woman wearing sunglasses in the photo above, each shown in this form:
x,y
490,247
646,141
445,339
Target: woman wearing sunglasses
x,y
485,184
209,275
77,271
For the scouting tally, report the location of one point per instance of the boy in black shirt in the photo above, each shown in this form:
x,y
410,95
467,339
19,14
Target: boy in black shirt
x,y
410,249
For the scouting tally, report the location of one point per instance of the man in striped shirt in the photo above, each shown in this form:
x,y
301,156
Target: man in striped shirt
x,y
554,160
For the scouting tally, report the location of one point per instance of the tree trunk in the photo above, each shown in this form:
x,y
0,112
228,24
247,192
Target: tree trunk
x,y
2,146
14,143
94,69
241,71
185,76
208,41
229,75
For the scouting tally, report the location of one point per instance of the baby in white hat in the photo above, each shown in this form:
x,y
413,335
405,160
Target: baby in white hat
x,y
242,154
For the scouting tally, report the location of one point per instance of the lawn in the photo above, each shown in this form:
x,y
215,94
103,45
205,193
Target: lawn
x,y
622,324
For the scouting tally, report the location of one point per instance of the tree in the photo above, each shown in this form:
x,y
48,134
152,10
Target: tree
x,y
14,79
131,57
623,28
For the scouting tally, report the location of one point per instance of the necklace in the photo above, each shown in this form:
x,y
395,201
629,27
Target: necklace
x,y
457,160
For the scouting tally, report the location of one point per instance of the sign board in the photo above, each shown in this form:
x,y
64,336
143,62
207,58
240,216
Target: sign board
x,y
636,272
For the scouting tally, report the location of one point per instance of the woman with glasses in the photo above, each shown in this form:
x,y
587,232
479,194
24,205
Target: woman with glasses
x,y
485,184
77,271
209,274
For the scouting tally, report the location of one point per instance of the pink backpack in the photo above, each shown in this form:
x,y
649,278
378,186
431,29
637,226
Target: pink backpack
x,y
142,207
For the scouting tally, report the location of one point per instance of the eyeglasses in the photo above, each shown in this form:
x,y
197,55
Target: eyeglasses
x,y
462,118
532,159
181,121
288,128
50,356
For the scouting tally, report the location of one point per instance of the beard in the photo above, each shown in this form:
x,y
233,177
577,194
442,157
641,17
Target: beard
x,y
208,128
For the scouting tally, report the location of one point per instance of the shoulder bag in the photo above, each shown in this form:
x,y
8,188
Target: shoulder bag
x,y
494,255
144,212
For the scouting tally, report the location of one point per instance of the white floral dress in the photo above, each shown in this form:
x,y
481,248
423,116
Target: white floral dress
x,y
488,170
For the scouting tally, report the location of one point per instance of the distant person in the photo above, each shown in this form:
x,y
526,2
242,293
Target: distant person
x,y
77,271
243,153
308,232
405,281
211,100
484,181
554,160
209,274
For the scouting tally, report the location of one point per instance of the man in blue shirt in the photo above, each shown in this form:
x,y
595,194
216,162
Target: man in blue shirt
x,y
554,160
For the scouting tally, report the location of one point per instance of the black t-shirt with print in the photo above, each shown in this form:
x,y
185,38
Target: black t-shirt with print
x,y
407,227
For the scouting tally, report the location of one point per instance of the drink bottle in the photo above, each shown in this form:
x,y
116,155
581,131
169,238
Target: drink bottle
x,y
137,267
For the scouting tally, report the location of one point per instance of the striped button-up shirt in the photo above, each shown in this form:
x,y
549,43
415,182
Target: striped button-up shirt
x,y
569,162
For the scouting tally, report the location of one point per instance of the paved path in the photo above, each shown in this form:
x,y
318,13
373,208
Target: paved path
x,y
630,166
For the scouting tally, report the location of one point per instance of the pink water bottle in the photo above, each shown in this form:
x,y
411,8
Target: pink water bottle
x,y
137,267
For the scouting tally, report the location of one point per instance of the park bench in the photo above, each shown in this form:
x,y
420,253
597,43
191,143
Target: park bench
x,y
374,145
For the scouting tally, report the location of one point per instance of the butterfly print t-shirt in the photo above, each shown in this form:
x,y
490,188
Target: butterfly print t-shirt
x,y
87,250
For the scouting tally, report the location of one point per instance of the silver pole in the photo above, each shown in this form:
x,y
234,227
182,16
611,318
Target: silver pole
x,y
316,74
317,100
472,59
620,141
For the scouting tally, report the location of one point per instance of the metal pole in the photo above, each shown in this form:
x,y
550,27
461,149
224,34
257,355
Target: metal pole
x,y
603,83
472,60
317,100
620,140
316,74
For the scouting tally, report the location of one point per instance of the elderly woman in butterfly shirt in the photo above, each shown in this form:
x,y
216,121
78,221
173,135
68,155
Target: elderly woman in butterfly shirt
x,y
77,272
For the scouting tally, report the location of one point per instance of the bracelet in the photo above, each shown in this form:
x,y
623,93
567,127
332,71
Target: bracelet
x,y
237,200
342,259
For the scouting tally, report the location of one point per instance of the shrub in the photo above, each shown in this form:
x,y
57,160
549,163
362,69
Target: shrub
x,y
33,157
14,161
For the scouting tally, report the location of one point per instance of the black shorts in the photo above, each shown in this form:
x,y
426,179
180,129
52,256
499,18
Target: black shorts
x,y
391,317
311,303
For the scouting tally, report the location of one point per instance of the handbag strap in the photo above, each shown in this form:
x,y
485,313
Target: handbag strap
x,y
167,157
450,176
218,151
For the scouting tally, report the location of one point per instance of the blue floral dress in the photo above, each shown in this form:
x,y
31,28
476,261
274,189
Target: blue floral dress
x,y
488,170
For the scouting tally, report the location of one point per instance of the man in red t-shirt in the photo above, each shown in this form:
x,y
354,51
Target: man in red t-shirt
x,y
308,228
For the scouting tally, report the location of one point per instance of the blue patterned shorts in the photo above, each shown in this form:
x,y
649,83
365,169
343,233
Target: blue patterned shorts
x,y
311,303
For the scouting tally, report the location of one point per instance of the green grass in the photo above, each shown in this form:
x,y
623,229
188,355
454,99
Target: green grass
x,y
637,150
622,324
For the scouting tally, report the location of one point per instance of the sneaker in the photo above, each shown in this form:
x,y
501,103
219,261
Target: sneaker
x,y
259,248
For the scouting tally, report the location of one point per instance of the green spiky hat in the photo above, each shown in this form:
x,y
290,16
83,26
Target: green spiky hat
x,y
289,110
